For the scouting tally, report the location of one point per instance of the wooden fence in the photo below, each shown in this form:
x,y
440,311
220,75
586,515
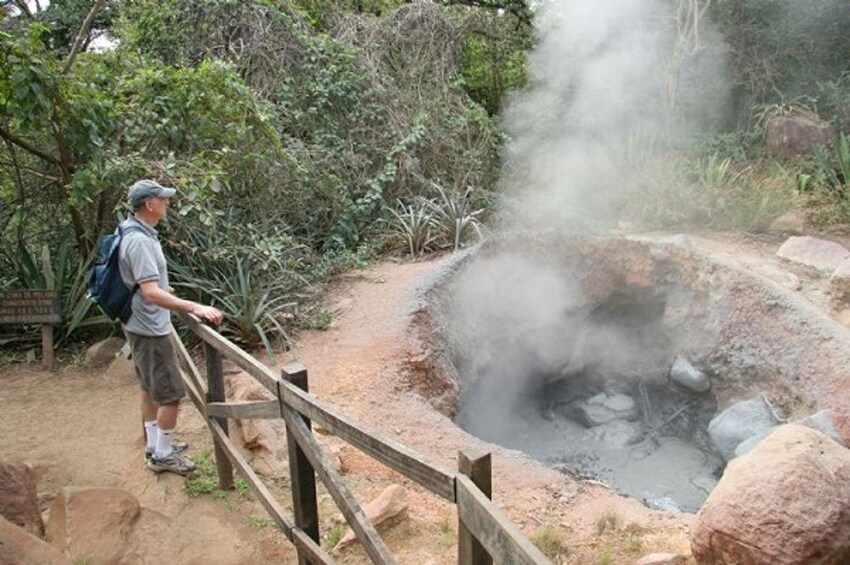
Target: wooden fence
x,y
485,533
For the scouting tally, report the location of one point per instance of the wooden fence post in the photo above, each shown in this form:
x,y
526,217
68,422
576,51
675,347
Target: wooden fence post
x,y
47,346
479,470
215,381
304,505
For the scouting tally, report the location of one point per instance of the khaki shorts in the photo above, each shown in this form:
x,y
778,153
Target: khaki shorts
x,y
156,367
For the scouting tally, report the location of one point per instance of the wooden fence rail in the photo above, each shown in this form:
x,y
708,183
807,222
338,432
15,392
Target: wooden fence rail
x,y
485,533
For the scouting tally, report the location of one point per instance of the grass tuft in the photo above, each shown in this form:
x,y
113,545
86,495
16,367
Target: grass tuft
x,y
551,542
334,535
608,522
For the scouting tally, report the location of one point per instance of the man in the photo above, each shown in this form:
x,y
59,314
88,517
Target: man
x,y
142,264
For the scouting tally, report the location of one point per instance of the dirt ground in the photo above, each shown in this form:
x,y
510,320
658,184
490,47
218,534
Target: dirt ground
x,y
80,426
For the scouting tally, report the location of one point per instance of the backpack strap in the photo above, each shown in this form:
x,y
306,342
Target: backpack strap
x,y
122,232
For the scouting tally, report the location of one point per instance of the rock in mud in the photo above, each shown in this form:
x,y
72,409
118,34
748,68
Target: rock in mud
x,y
605,407
739,422
689,376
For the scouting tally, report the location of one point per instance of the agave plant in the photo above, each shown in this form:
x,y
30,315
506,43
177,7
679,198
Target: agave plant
x,y
414,223
715,171
251,276
832,168
65,273
453,215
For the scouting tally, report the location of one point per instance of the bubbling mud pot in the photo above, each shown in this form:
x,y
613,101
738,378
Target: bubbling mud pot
x,y
621,361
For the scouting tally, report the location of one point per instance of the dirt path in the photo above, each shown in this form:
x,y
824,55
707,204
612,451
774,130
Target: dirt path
x,y
80,427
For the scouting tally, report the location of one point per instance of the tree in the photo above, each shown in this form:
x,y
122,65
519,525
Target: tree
x,y
40,113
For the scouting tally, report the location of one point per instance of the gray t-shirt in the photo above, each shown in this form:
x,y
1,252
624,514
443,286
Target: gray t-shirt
x,y
141,260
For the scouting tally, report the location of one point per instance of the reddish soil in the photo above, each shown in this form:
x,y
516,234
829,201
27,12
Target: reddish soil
x,y
80,426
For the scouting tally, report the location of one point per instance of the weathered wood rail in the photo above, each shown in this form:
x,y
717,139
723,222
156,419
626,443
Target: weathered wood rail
x,y
485,533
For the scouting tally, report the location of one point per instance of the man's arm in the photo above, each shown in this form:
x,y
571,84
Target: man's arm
x,y
155,295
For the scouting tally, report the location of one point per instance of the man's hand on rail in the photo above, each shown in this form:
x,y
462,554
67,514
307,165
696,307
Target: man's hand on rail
x,y
208,313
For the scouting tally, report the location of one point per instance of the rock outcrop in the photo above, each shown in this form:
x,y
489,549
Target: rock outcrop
x,y
817,253
385,509
92,523
19,547
18,497
790,136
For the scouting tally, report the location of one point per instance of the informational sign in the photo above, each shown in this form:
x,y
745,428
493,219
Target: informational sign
x,y
30,307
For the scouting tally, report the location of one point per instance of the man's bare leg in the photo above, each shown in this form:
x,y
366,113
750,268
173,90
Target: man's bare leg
x,y
151,430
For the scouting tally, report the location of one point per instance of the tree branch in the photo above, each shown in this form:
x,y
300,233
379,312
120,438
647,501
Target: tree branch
x,y
81,35
27,147
30,170
22,6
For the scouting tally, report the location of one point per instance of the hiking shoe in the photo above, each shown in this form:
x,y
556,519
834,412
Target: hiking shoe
x,y
175,463
176,446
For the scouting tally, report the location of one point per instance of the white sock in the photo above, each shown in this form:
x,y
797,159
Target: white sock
x,y
163,443
150,434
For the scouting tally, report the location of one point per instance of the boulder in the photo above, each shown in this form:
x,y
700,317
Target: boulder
x,y
792,222
739,422
92,523
388,506
822,255
18,497
820,421
786,502
19,547
104,352
839,286
263,441
790,136
751,442
689,376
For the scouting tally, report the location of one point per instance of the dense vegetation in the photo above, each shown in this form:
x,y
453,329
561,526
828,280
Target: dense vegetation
x,y
306,136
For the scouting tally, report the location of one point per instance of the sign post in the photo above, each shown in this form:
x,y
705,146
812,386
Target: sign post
x,y
33,307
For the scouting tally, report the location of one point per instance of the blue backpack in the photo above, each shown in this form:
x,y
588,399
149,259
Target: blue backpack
x,y
106,288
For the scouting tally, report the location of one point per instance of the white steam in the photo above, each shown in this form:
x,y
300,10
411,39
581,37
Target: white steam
x,y
606,80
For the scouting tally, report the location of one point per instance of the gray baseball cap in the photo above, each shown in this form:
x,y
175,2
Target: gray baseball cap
x,y
145,189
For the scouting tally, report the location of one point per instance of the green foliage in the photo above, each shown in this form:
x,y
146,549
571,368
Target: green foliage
x,y
714,171
321,321
252,273
781,49
833,101
204,480
63,19
826,181
493,58
260,522
335,535
287,142
62,271
324,14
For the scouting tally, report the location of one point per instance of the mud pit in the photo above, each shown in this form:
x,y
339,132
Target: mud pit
x,y
562,348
